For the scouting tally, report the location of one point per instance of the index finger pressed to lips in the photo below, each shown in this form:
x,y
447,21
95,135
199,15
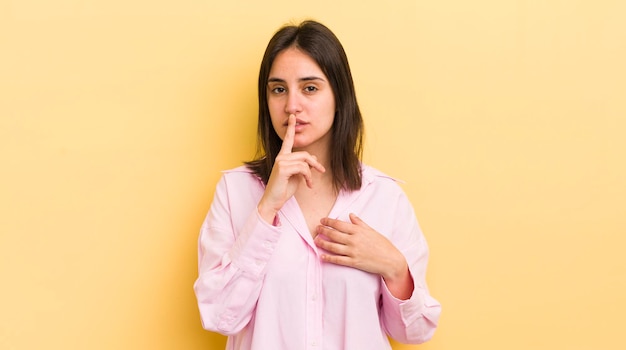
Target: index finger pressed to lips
x,y
289,135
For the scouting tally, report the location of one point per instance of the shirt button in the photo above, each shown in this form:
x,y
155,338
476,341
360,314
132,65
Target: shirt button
x,y
313,343
313,297
259,262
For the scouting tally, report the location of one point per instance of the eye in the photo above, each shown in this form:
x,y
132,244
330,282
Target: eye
x,y
310,88
278,90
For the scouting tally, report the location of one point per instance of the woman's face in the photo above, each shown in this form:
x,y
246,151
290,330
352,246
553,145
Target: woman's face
x,y
297,85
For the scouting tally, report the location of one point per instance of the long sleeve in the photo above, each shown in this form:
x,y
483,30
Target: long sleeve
x,y
233,251
413,320
265,287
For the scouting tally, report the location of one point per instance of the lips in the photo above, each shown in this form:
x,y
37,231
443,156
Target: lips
x,y
298,122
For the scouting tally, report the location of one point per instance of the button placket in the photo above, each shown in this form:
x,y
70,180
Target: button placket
x,y
314,309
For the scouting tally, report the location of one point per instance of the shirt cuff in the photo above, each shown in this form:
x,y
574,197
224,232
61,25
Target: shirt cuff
x,y
255,245
408,310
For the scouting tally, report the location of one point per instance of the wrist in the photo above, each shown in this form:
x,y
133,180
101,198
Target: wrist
x,y
400,283
267,214
398,272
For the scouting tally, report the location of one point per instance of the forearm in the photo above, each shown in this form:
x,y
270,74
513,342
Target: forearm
x,y
231,273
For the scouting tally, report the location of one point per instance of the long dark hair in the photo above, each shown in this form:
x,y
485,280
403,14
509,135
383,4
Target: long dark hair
x,y
346,147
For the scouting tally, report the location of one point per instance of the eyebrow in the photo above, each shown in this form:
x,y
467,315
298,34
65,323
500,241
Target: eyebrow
x,y
279,80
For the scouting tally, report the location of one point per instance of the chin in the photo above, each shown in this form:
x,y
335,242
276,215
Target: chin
x,y
300,145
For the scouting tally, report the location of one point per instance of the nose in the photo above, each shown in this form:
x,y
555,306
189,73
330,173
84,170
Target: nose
x,y
293,104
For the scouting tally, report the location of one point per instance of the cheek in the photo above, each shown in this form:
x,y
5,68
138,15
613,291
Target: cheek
x,y
277,127
330,110
274,108
274,114
329,103
277,124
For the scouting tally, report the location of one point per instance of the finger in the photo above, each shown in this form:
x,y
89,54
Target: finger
x,y
333,235
289,135
309,180
296,167
331,247
303,169
357,220
338,260
311,160
317,165
342,226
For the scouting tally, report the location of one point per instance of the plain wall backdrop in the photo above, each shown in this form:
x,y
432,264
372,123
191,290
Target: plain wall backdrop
x,y
506,120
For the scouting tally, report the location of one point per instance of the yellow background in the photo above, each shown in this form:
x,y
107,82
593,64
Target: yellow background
x,y
506,119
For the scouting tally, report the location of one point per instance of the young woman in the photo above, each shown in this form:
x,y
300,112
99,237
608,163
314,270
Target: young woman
x,y
305,247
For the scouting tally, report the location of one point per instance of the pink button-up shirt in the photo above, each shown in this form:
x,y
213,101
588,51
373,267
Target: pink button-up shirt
x,y
267,289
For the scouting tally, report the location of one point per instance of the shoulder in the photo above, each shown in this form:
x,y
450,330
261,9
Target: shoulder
x,y
240,175
371,174
385,189
380,182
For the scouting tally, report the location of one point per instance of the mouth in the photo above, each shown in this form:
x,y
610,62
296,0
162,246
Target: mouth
x,y
298,122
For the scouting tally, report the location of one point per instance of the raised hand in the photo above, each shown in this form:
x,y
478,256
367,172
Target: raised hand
x,y
356,244
290,169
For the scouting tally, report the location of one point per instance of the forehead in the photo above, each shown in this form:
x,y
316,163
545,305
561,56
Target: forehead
x,y
293,62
